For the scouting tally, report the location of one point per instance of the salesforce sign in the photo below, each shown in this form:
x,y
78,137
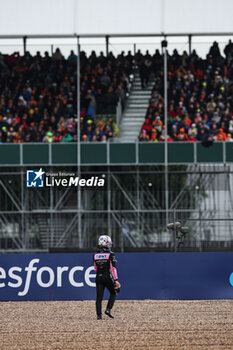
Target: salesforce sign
x,y
17,281
47,277
142,275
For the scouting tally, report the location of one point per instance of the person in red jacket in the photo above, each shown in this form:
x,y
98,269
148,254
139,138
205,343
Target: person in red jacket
x,y
147,126
192,138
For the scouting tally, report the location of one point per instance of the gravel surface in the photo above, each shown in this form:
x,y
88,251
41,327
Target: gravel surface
x,y
137,325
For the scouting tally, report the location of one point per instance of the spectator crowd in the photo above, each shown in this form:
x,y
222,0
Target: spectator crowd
x,y
38,96
200,97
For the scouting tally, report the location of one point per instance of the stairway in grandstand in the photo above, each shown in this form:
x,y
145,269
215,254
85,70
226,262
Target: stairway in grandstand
x,y
135,111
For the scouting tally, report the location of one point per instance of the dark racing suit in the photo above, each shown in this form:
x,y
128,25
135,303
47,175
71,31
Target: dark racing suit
x,y
106,275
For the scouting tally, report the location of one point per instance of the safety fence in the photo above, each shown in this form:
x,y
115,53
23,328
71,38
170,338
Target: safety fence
x,y
114,153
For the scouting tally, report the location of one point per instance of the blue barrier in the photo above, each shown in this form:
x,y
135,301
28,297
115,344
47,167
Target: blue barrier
x,y
142,275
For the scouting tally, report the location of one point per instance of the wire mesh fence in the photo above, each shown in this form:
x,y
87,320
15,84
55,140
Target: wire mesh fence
x,y
131,208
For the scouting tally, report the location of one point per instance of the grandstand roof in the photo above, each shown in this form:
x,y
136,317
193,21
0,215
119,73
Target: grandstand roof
x,y
104,17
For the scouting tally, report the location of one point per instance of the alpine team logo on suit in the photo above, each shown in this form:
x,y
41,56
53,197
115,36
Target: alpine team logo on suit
x,y
35,178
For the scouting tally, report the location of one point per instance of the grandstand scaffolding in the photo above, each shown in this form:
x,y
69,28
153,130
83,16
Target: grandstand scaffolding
x,y
131,208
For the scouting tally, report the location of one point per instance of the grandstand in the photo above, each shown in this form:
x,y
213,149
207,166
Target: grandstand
x,y
39,112
199,94
116,118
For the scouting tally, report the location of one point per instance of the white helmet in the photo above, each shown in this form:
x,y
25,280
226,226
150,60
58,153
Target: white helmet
x,y
105,241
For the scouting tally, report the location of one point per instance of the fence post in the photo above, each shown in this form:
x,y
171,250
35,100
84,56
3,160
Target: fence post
x,y
190,44
118,112
174,230
24,44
